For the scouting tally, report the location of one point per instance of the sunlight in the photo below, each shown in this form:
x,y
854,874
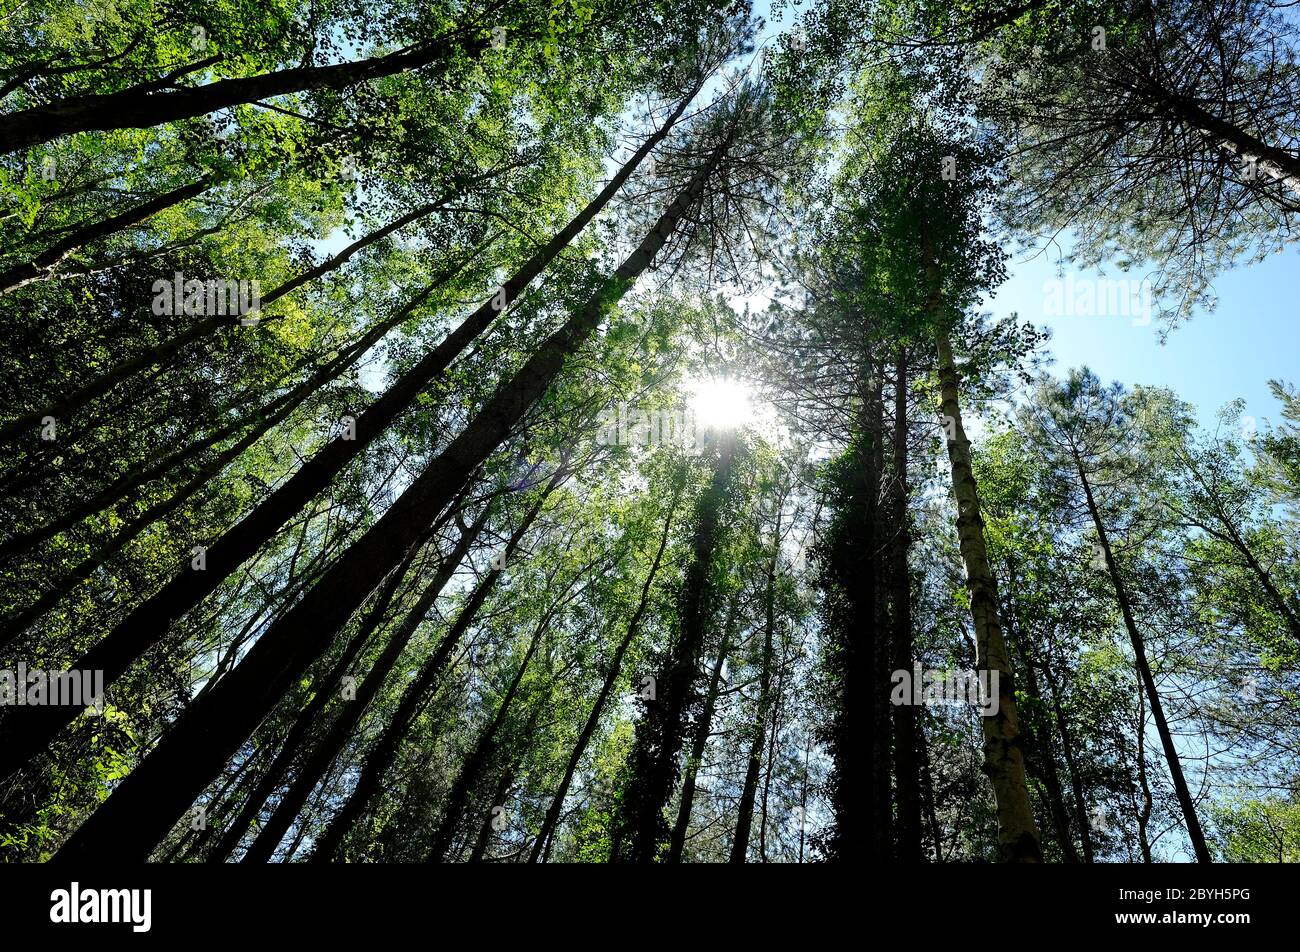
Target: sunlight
x,y
721,403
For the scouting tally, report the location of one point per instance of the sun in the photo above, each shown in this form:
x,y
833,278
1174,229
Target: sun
x,y
721,403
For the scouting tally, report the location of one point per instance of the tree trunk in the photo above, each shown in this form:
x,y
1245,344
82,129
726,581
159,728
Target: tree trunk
x,y
1192,822
43,265
1144,813
479,758
323,693
328,748
803,796
1284,607
699,742
1071,763
873,614
660,734
334,262
64,405
1041,760
542,846
857,658
754,759
907,774
1041,757
189,843
927,791
1233,537
773,735
1003,757
384,750
141,107
504,784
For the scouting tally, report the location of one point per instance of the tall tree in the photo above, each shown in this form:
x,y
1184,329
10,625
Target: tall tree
x,y
1085,423
643,828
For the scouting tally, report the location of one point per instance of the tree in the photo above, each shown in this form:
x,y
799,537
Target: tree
x,y
1084,422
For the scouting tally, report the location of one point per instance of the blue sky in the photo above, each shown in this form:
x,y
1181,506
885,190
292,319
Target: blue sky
x,y
1233,351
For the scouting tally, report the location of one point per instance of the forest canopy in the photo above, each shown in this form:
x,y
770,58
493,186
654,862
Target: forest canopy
x,y
529,431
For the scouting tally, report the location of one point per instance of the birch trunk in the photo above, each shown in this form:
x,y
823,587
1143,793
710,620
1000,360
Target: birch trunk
x,y
1004,759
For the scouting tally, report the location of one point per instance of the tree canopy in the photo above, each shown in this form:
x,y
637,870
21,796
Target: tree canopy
x,y
577,431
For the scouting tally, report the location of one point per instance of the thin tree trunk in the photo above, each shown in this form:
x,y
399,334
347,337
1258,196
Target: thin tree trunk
x,y
873,614
148,623
502,791
197,845
334,262
137,478
313,809
141,107
193,838
1041,760
1284,607
661,733
1144,814
1192,822
42,267
907,777
1279,602
754,759
1041,757
773,735
1003,757
323,692
748,796
700,742
384,750
1233,537
327,749
542,846
477,761
37,466
499,796
927,791
803,796
100,385
1071,763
